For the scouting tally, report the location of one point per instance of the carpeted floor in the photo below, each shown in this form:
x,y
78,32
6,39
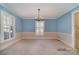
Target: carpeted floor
x,y
38,47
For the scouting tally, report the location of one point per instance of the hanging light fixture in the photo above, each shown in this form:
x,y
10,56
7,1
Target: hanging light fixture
x,y
39,18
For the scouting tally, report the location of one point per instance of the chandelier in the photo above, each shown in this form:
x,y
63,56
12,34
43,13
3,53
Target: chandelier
x,y
39,18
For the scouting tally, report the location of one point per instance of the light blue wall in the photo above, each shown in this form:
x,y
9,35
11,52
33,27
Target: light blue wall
x,y
50,25
18,19
64,23
18,23
28,25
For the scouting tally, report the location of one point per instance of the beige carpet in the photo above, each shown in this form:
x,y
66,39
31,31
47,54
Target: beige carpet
x,y
38,47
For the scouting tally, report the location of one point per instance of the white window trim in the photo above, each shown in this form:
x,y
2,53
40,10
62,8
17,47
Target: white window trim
x,y
2,24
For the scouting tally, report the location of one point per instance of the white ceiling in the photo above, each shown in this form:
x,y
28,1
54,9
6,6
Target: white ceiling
x,y
48,10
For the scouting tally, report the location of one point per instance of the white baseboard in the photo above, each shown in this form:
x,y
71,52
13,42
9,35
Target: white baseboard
x,y
39,38
65,38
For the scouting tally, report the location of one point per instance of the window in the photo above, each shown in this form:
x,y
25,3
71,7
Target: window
x,y
39,28
8,26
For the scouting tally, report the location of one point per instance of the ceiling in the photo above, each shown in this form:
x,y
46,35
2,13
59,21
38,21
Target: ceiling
x,y
47,10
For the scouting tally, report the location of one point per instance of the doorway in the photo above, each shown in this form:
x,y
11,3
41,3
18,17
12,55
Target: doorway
x,y
75,30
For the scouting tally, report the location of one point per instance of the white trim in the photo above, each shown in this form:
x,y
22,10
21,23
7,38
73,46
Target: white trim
x,y
1,25
40,38
2,14
66,38
73,31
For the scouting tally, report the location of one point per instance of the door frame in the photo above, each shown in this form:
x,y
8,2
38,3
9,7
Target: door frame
x,y
73,29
